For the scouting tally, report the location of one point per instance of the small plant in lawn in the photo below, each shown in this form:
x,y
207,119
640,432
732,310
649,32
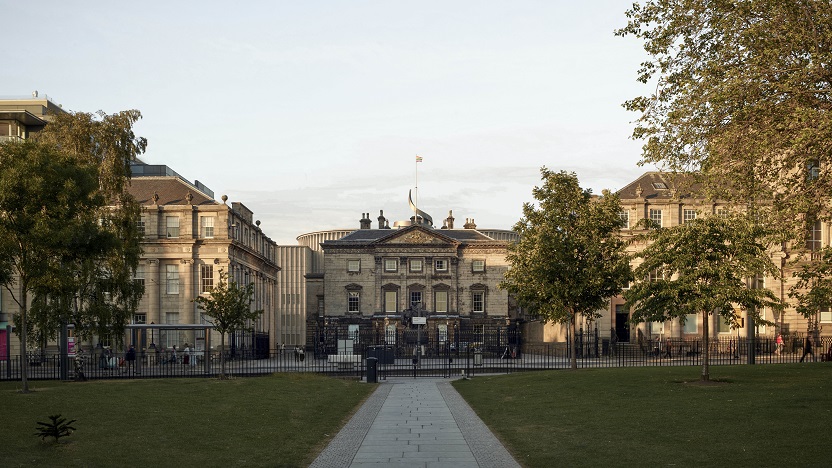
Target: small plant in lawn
x,y
57,428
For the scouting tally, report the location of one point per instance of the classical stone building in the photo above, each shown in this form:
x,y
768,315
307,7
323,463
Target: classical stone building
x,y
670,200
371,278
189,237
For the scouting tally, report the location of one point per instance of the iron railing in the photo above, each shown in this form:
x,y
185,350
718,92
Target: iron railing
x,y
443,358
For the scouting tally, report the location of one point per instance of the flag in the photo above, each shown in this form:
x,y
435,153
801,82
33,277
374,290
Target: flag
x,y
418,158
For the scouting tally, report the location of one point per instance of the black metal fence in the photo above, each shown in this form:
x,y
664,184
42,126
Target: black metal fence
x,y
437,355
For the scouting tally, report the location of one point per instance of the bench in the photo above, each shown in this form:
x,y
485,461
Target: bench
x,y
344,361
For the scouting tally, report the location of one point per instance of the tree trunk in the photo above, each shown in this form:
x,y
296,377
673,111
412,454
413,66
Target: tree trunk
x,y
24,359
706,376
574,361
222,356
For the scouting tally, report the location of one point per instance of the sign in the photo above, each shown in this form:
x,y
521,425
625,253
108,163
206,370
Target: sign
x,y
420,320
70,346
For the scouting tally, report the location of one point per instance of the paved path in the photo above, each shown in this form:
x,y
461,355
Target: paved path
x,y
415,423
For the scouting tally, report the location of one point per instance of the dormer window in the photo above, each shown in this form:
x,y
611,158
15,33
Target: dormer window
x,y
659,186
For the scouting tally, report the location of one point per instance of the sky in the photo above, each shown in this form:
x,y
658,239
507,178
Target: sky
x,y
312,112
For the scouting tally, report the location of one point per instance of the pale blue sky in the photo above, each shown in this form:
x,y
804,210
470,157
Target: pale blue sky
x,y
312,112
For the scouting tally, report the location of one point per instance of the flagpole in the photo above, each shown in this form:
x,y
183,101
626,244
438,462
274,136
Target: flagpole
x,y
416,202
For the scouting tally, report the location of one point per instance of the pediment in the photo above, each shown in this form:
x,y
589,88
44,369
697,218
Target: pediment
x,y
417,235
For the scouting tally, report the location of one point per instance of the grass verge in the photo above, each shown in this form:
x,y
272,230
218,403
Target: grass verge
x,y
281,420
765,415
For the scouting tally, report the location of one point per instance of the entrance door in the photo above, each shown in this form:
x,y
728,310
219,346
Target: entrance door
x,y
622,326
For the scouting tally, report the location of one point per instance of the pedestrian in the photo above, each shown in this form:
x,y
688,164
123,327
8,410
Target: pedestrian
x,y
173,355
130,360
667,349
297,354
808,349
186,355
778,344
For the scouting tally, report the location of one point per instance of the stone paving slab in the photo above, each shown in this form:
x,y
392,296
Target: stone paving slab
x,y
415,423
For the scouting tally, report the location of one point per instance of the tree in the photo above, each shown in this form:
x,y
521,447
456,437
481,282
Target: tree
x,y
743,92
228,309
93,288
44,199
702,267
70,243
570,258
813,290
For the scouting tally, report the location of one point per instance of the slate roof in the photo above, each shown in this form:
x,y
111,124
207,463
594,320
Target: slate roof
x,y
171,191
662,185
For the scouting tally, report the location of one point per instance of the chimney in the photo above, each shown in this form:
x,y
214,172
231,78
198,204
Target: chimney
x,y
469,224
381,219
449,221
365,221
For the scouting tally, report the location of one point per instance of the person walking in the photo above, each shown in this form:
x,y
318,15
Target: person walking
x,y
808,349
778,344
130,360
186,355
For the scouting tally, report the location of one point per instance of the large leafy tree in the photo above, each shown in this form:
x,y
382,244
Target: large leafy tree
x,y
228,309
94,287
570,258
45,198
702,268
741,90
70,244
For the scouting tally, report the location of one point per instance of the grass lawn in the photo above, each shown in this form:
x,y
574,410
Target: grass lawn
x,y
281,420
764,415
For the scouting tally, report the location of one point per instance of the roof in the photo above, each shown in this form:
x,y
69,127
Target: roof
x,y
362,237
171,191
661,185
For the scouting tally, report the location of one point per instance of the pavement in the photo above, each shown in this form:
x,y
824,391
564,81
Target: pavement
x,y
410,422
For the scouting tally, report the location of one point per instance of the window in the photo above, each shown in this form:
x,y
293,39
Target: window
x,y
353,265
443,332
352,332
813,237
441,298
354,302
206,226
825,315
139,276
415,299
688,215
655,275
441,264
478,265
390,299
207,276
690,324
722,212
659,186
140,226
390,334
172,226
478,301
657,328
625,219
140,319
391,264
416,264
172,279
656,217
721,326
812,170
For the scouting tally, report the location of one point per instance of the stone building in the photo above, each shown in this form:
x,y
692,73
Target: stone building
x,y
371,278
189,238
670,200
